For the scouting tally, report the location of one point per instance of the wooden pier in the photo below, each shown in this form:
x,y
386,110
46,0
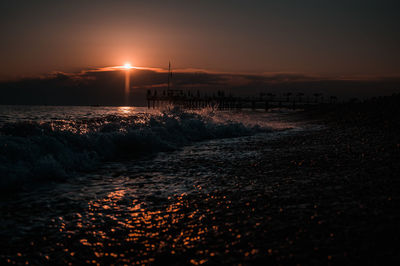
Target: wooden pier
x,y
266,101
188,99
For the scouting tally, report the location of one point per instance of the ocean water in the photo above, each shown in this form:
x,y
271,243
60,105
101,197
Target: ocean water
x,y
124,184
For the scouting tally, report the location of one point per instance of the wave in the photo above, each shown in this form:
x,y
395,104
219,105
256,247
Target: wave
x,y
34,151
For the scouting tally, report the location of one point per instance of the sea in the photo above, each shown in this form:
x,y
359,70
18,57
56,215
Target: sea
x,y
127,185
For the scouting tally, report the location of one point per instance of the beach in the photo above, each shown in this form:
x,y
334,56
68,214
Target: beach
x,y
199,133
323,189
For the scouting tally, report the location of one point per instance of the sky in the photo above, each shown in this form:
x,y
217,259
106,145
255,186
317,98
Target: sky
x,y
313,36
331,39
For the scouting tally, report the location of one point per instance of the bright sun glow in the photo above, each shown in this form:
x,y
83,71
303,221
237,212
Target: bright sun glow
x,y
128,66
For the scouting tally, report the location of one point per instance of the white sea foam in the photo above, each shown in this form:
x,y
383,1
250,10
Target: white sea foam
x,y
32,150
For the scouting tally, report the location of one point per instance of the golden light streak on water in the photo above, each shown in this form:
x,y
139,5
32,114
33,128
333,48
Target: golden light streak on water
x,y
127,87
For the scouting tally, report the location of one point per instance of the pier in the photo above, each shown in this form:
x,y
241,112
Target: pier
x,y
219,100
188,99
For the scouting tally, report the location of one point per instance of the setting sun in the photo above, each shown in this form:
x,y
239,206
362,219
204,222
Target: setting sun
x,y
128,66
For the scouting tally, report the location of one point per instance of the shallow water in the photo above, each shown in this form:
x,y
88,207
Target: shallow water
x,y
161,206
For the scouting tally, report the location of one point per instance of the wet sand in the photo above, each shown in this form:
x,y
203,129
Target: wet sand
x,y
324,196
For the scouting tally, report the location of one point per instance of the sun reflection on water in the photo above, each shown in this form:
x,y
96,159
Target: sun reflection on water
x,y
123,110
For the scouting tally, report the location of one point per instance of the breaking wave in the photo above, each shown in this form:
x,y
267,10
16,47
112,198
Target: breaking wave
x,y
53,150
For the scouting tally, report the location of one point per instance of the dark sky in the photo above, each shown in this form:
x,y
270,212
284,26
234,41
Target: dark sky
x,y
321,37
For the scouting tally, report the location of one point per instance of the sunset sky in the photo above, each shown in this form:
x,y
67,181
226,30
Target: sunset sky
x,y
267,42
324,37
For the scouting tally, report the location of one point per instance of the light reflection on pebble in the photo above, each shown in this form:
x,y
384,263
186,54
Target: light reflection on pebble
x,y
122,229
